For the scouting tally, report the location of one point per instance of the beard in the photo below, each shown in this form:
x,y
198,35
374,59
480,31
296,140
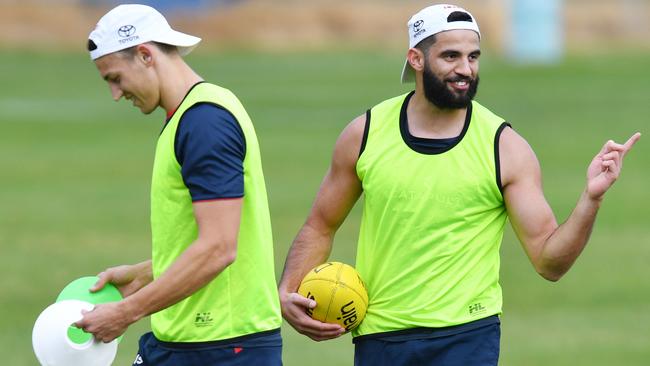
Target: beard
x,y
438,93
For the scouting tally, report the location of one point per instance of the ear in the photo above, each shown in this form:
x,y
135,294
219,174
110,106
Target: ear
x,y
415,58
144,54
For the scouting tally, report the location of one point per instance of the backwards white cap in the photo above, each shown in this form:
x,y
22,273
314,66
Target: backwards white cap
x,y
133,24
432,20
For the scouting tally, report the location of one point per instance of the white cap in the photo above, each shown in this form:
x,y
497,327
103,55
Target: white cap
x,y
133,24
432,20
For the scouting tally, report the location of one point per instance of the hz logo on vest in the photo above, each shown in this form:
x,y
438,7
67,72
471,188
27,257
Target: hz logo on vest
x,y
476,309
203,319
349,315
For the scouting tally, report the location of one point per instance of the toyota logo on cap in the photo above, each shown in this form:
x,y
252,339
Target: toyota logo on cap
x,y
126,31
417,25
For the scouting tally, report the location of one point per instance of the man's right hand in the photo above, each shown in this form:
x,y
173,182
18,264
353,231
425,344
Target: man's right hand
x,y
294,310
127,278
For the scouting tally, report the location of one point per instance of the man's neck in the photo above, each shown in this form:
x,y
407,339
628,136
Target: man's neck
x,y
428,121
181,78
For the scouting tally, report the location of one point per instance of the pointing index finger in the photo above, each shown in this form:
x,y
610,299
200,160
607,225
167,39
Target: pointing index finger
x,y
631,141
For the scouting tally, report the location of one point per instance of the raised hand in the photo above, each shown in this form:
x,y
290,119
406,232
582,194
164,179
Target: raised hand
x,y
606,166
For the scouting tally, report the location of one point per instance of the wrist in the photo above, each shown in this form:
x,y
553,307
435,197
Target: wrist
x,y
595,200
285,290
132,310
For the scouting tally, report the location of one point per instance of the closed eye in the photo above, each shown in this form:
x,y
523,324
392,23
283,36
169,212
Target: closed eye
x,y
112,78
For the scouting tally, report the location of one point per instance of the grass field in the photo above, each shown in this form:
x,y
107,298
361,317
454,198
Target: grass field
x,y
75,171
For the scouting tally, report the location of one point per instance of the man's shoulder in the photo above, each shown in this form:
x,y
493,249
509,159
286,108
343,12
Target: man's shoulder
x,y
209,85
482,112
206,111
210,92
398,99
211,122
477,107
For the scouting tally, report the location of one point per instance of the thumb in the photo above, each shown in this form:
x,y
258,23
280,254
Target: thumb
x,y
81,322
302,301
101,282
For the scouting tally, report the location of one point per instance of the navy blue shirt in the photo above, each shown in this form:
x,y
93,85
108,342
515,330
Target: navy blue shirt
x,y
210,147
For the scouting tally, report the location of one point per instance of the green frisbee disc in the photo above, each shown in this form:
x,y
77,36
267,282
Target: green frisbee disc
x,y
79,289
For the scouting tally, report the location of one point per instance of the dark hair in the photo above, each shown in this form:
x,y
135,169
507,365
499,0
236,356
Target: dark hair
x,y
131,51
426,44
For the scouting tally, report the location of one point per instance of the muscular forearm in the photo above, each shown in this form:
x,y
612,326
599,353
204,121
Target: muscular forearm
x,y
198,265
338,193
564,245
310,248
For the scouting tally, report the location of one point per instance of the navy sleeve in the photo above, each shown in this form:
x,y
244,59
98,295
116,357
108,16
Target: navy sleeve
x,y
210,147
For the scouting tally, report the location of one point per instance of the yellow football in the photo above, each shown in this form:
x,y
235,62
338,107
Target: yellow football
x,y
339,292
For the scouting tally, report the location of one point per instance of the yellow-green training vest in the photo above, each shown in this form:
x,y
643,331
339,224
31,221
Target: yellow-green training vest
x,y
243,298
432,224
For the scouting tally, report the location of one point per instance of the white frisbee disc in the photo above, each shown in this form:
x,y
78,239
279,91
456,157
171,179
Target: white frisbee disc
x,y
53,346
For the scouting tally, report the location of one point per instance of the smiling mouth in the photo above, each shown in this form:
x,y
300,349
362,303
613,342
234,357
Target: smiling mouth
x,y
460,85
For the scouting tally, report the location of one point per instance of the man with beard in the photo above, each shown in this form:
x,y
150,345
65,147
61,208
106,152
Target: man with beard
x,y
440,174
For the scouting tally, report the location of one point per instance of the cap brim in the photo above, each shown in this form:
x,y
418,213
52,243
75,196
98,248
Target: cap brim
x,y
183,41
408,74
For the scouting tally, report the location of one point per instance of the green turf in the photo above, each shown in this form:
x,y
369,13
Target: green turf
x,y
75,174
